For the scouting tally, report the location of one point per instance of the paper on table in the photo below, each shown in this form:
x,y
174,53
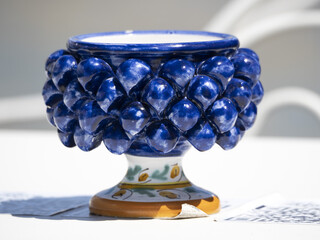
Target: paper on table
x,y
189,211
19,204
272,208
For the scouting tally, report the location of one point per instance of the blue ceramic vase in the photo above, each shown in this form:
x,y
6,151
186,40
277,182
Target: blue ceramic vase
x,y
152,95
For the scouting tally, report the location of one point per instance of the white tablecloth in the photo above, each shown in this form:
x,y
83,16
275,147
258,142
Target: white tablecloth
x,y
36,163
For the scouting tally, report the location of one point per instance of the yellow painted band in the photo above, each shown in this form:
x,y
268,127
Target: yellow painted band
x,y
168,185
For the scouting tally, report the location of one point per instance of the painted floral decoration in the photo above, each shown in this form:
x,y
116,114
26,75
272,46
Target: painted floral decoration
x,y
214,101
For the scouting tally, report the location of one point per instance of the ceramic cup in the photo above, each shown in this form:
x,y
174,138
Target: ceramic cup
x,y
151,95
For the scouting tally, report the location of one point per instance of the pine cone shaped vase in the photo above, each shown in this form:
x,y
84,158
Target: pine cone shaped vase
x,y
152,95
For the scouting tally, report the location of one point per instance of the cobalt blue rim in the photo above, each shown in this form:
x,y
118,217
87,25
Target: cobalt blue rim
x,y
76,43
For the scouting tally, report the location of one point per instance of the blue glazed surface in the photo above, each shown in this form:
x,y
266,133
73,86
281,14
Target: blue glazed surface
x,y
162,136
154,53
239,92
247,68
74,96
52,60
184,114
50,116
229,139
140,147
92,118
248,116
108,93
133,75
257,93
225,41
64,71
204,90
178,71
91,72
158,93
64,118
223,114
115,138
153,99
67,139
134,118
202,136
85,141
248,52
218,67
51,95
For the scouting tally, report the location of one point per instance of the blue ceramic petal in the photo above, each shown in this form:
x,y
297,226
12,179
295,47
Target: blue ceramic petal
x,y
239,92
74,96
248,52
246,68
229,139
66,138
202,136
162,136
158,93
178,71
116,107
85,141
257,93
50,116
64,119
218,67
223,114
52,60
184,114
133,75
92,118
134,118
139,147
115,138
240,126
51,94
204,90
91,72
108,93
64,71
248,116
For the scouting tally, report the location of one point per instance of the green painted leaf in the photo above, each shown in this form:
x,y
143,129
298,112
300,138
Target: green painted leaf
x,y
132,172
161,175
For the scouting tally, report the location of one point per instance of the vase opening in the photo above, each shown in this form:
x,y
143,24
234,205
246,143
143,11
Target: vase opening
x,y
150,38
158,41
153,47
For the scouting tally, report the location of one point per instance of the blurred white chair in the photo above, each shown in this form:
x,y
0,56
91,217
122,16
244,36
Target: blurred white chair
x,y
253,21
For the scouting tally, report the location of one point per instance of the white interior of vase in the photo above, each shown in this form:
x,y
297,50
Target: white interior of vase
x,y
130,38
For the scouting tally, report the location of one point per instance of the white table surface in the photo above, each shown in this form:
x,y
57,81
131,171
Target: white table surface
x,y
37,163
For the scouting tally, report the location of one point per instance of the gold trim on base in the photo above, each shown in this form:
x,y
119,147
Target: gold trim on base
x,y
126,209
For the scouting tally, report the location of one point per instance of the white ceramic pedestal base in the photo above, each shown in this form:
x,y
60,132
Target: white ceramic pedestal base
x,y
153,187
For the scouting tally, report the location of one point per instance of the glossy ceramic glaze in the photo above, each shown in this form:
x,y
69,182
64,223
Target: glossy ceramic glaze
x,y
157,183
152,93
152,98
